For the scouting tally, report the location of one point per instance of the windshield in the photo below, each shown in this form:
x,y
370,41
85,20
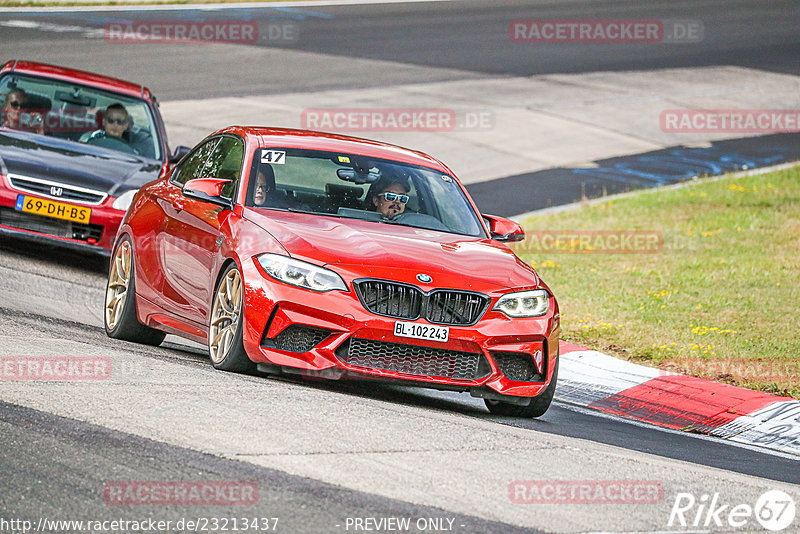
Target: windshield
x,y
78,113
357,187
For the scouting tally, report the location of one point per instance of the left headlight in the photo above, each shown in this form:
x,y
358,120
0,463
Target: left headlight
x,y
301,273
524,303
123,202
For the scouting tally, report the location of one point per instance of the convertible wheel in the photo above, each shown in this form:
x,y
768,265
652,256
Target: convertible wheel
x,y
536,408
225,332
120,309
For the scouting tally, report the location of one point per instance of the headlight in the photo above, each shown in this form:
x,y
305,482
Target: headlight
x,y
123,202
300,273
524,303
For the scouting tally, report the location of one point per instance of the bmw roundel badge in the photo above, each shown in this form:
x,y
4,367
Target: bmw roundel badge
x,y
424,278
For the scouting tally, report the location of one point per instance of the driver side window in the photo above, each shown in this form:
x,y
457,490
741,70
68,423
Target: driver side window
x,y
192,167
226,162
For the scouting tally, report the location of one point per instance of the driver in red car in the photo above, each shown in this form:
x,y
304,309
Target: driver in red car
x,y
389,197
116,122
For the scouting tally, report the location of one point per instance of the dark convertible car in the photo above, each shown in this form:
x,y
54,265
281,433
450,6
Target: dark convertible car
x,y
74,148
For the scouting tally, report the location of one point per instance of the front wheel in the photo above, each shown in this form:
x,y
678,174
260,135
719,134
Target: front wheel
x,y
120,309
225,331
538,406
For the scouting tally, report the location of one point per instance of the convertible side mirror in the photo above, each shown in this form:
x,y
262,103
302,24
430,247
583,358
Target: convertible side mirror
x,y
208,190
176,156
503,229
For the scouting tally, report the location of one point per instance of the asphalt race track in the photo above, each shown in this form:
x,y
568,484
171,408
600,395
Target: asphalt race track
x,y
63,443
431,41
324,455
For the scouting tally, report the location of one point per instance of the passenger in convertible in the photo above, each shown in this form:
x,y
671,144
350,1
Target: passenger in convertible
x,y
14,116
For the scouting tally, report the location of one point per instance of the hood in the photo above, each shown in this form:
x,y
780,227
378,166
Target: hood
x,y
59,160
381,250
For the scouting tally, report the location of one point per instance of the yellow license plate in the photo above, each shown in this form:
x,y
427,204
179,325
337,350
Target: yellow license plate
x,y
48,208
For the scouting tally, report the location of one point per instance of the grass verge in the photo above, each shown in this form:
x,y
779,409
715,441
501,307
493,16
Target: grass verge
x,y
718,301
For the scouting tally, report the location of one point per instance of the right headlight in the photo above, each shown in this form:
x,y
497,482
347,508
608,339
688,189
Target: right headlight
x,y
300,273
531,303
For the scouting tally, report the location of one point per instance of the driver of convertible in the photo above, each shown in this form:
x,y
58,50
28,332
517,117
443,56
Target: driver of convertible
x,y
116,122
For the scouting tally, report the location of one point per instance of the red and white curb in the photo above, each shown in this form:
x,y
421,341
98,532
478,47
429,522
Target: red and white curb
x,y
595,380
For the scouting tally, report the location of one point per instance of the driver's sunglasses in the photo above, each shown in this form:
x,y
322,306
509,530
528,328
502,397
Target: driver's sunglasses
x,y
394,197
15,104
117,121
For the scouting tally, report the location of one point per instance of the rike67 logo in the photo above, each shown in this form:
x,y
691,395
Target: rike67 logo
x,y
774,511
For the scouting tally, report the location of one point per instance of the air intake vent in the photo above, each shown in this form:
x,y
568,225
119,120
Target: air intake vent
x,y
517,366
404,301
413,359
50,226
297,338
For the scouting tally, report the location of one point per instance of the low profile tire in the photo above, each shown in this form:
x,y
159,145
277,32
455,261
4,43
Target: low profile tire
x,y
536,408
120,308
225,331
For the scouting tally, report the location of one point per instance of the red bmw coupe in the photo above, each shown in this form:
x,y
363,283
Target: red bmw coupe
x,y
289,251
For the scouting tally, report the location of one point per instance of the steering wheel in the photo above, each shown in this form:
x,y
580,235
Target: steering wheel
x,y
113,143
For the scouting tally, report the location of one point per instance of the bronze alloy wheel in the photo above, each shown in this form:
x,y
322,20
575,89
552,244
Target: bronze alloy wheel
x,y
226,314
120,306
118,282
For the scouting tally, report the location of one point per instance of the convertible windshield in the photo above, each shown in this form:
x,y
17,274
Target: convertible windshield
x,y
78,113
357,187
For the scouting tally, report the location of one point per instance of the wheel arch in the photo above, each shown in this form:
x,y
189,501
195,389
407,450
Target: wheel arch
x,y
227,262
223,267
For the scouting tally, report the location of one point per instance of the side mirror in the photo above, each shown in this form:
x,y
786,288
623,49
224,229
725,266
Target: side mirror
x,y
208,190
504,229
178,154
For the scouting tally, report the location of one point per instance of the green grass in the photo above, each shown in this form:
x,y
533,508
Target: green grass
x,y
719,301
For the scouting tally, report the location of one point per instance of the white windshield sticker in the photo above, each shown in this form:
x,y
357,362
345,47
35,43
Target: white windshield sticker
x,y
277,157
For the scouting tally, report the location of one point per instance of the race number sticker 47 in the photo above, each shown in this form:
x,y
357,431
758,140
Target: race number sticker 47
x,y
277,157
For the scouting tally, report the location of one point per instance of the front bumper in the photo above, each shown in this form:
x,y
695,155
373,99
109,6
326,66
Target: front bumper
x,y
97,236
331,335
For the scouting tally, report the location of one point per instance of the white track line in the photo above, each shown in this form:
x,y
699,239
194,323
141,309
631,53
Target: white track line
x,y
211,7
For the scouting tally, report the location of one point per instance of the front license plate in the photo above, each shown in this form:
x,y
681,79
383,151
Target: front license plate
x,y
48,208
422,331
